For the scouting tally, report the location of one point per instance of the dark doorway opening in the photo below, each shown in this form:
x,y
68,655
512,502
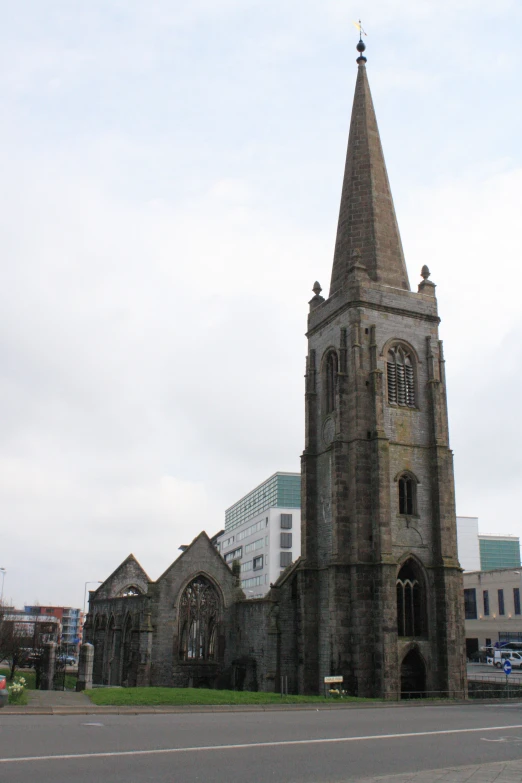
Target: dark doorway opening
x,y
413,676
472,648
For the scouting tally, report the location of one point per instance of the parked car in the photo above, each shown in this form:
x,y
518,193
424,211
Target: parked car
x,y
68,660
4,695
30,658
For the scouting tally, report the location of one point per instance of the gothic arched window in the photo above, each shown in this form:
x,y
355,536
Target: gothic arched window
x,y
198,620
331,377
401,376
411,612
130,592
407,494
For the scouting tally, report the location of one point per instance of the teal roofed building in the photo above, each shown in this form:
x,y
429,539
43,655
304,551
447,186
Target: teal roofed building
x,y
282,490
263,532
499,552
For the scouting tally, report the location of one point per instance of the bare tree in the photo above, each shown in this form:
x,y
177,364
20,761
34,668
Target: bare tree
x,y
14,642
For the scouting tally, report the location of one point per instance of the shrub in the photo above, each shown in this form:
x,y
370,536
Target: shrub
x,y
17,691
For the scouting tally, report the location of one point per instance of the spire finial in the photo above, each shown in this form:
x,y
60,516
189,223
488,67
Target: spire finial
x,y
361,46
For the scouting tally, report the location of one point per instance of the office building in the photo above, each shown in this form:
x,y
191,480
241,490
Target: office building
x,y
263,532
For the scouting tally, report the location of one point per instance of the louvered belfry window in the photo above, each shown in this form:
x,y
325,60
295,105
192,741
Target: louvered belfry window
x,y
401,377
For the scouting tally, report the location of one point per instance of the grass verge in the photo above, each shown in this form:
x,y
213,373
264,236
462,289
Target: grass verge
x,y
150,697
21,700
30,678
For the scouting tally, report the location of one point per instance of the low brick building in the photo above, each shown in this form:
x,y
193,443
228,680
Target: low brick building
x,y
376,595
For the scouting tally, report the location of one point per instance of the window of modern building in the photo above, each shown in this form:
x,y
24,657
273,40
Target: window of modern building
x,y
258,563
250,530
488,642
254,581
286,540
331,375
470,603
286,521
485,597
245,566
236,554
407,492
285,559
516,599
400,377
254,545
501,608
411,612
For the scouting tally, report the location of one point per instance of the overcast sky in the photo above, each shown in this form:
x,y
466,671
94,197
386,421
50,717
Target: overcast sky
x,y
170,184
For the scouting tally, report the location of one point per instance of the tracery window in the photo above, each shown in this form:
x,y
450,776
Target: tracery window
x,y
130,592
331,375
407,495
198,620
411,620
401,377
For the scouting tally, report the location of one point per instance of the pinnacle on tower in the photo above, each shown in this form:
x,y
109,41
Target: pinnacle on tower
x,y
367,227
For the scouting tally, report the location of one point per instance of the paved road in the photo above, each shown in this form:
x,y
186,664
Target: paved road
x,y
256,747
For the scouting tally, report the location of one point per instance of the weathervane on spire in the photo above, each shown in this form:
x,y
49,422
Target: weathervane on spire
x,y
361,46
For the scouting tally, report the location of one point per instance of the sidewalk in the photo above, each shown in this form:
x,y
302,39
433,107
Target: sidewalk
x,y
71,703
501,772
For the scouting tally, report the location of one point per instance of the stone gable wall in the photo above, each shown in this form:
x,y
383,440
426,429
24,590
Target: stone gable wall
x,y
129,573
201,558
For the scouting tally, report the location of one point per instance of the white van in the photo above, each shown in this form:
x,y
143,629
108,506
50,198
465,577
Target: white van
x,y
499,656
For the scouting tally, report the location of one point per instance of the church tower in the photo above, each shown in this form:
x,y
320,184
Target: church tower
x,y
380,597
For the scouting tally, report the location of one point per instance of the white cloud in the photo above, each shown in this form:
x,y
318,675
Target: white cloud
x,y
170,185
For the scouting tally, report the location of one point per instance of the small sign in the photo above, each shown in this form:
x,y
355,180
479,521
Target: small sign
x,y
335,678
507,667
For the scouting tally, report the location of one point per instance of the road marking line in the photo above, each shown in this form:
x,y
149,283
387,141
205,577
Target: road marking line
x,y
247,746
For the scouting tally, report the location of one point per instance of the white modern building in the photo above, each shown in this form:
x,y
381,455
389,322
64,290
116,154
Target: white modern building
x,y
479,552
468,543
263,532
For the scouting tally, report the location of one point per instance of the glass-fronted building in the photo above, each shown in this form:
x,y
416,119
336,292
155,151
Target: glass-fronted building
x,y
282,490
263,532
499,552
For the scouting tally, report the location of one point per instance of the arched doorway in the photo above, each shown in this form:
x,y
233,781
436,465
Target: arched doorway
x,y
413,675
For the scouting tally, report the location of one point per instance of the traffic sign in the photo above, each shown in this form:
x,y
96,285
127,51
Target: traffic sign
x,y
507,667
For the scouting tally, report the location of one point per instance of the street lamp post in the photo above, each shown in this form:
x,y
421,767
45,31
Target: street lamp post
x,y
2,593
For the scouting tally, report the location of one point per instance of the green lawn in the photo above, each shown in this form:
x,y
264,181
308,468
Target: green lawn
x,y
29,677
134,697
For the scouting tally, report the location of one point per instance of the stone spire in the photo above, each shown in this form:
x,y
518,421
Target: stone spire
x,y
367,232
